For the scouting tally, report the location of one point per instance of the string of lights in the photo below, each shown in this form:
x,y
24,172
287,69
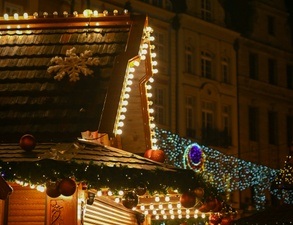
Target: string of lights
x,y
227,173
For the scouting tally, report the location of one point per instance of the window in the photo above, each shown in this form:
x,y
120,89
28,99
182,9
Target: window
x,y
226,119
206,65
189,59
225,71
208,115
206,10
272,71
253,66
273,127
289,73
10,8
271,25
160,44
225,135
160,106
190,116
253,120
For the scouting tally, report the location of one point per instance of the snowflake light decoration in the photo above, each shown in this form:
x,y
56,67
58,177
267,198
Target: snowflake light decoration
x,y
73,65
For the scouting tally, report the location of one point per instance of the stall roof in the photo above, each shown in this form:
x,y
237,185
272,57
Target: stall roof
x,y
32,101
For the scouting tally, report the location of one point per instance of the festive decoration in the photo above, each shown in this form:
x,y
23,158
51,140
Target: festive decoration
x,y
155,154
187,199
97,175
284,180
62,151
27,142
225,172
130,199
52,189
194,157
67,187
73,65
141,189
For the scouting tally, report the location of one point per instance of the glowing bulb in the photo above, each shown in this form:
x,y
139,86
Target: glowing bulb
x,y
151,206
123,109
167,198
157,198
128,89
87,13
6,16
99,193
151,79
122,117
118,131
131,69
142,207
25,15
152,38
96,13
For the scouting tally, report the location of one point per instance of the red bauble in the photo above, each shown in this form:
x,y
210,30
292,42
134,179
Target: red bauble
x,y
67,187
52,189
27,142
188,199
155,154
130,200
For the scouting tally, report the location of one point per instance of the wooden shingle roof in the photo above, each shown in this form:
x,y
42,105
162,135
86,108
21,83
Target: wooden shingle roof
x,y
32,101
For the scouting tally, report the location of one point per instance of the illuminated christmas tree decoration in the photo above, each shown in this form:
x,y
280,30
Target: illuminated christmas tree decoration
x,y
227,173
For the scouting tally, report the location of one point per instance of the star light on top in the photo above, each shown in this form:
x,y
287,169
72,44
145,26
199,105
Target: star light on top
x,y
73,65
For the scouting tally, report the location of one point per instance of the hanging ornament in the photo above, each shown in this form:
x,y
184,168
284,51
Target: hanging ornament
x,y
67,187
188,199
141,189
193,157
130,199
155,154
27,142
52,189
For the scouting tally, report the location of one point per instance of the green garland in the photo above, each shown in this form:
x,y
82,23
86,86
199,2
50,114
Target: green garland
x,y
98,176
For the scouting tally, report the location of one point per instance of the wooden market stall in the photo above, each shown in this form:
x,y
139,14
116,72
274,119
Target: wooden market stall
x,y
74,111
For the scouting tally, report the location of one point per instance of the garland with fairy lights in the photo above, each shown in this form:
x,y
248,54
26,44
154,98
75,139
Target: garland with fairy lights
x,y
226,172
99,176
